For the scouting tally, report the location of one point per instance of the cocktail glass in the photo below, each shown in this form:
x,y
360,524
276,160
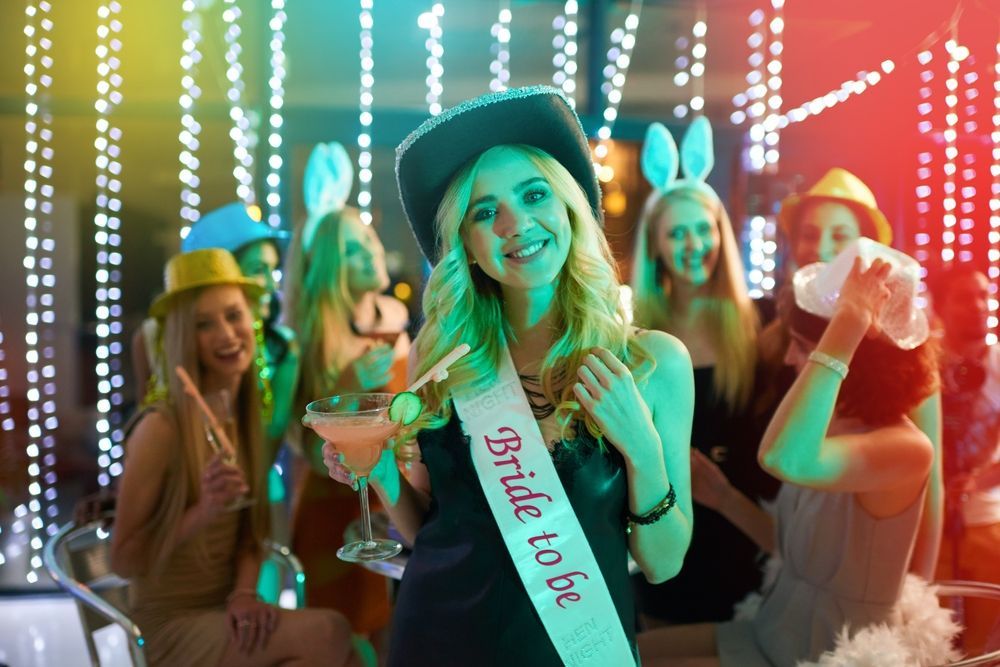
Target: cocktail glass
x,y
358,426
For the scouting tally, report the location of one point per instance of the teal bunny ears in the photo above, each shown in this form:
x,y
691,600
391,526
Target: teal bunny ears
x,y
327,184
661,161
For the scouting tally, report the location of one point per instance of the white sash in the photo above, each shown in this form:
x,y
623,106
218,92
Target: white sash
x,y
538,525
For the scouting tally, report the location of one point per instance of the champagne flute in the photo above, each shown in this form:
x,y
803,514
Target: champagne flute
x,y
220,404
358,425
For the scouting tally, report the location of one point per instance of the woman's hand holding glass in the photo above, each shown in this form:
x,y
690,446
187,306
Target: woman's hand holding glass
x,y
384,476
251,622
222,484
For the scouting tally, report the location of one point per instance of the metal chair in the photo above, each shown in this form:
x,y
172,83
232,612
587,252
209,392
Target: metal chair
x,y
78,558
974,589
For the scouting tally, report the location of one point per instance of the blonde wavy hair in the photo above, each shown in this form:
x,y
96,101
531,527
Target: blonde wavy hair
x,y
731,319
183,483
463,305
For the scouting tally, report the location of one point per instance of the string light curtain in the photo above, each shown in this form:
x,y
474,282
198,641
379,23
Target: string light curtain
x,y
500,31
565,44
191,129
42,511
240,131
431,22
107,236
276,101
364,200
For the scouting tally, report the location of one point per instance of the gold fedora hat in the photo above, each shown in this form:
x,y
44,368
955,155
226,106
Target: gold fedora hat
x,y
200,268
838,185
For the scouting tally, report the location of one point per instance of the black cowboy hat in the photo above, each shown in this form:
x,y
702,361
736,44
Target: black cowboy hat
x,y
432,154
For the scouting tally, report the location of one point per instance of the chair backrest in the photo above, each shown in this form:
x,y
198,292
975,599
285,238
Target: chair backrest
x,y
78,558
974,589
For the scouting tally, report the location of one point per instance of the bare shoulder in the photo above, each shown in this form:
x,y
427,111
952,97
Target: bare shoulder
x,y
395,316
153,438
672,358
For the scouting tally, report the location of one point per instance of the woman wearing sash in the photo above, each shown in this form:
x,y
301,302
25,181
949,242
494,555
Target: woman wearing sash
x,y
192,558
336,274
559,445
688,280
855,472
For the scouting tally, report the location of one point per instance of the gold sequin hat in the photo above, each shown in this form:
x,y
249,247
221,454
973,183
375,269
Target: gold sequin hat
x,y
201,268
838,185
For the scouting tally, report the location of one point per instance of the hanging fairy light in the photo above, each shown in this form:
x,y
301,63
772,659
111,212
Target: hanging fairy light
x,y
40,283
615,73
753,101
500,66
6,418
950,134
966,193
864,81
276,102
431,22
690,66
365,115
107,236
772,100
190,199
925,160
993,253
565,44
240,131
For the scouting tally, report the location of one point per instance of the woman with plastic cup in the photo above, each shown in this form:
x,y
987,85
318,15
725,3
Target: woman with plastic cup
x,y
855,472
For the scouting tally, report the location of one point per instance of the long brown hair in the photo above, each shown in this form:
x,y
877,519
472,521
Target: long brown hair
x,y
183,486
732,322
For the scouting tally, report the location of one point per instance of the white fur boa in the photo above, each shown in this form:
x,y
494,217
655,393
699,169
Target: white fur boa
x,y
924,635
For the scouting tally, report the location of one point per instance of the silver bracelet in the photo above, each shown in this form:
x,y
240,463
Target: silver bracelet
x,y
834,364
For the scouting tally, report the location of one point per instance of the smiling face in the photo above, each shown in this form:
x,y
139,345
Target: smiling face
x,y
688,241
224,334
824,229
516,228
364,257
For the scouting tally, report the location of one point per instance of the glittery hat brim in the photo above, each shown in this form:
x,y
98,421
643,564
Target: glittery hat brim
x,y
432,154
206,267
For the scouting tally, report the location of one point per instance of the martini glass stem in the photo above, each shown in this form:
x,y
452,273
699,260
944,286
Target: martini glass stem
x,y
366,520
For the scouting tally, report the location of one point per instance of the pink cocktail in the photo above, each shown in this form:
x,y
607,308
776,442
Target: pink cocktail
x,y
358,425
359,438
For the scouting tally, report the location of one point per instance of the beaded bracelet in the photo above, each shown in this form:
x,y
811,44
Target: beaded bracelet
x,y
653,515
834,364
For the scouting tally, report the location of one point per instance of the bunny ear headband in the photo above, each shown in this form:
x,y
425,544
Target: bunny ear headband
x,y
327,185
661,161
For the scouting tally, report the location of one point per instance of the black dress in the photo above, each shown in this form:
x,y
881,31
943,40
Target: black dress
x,y
722,564
461,601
